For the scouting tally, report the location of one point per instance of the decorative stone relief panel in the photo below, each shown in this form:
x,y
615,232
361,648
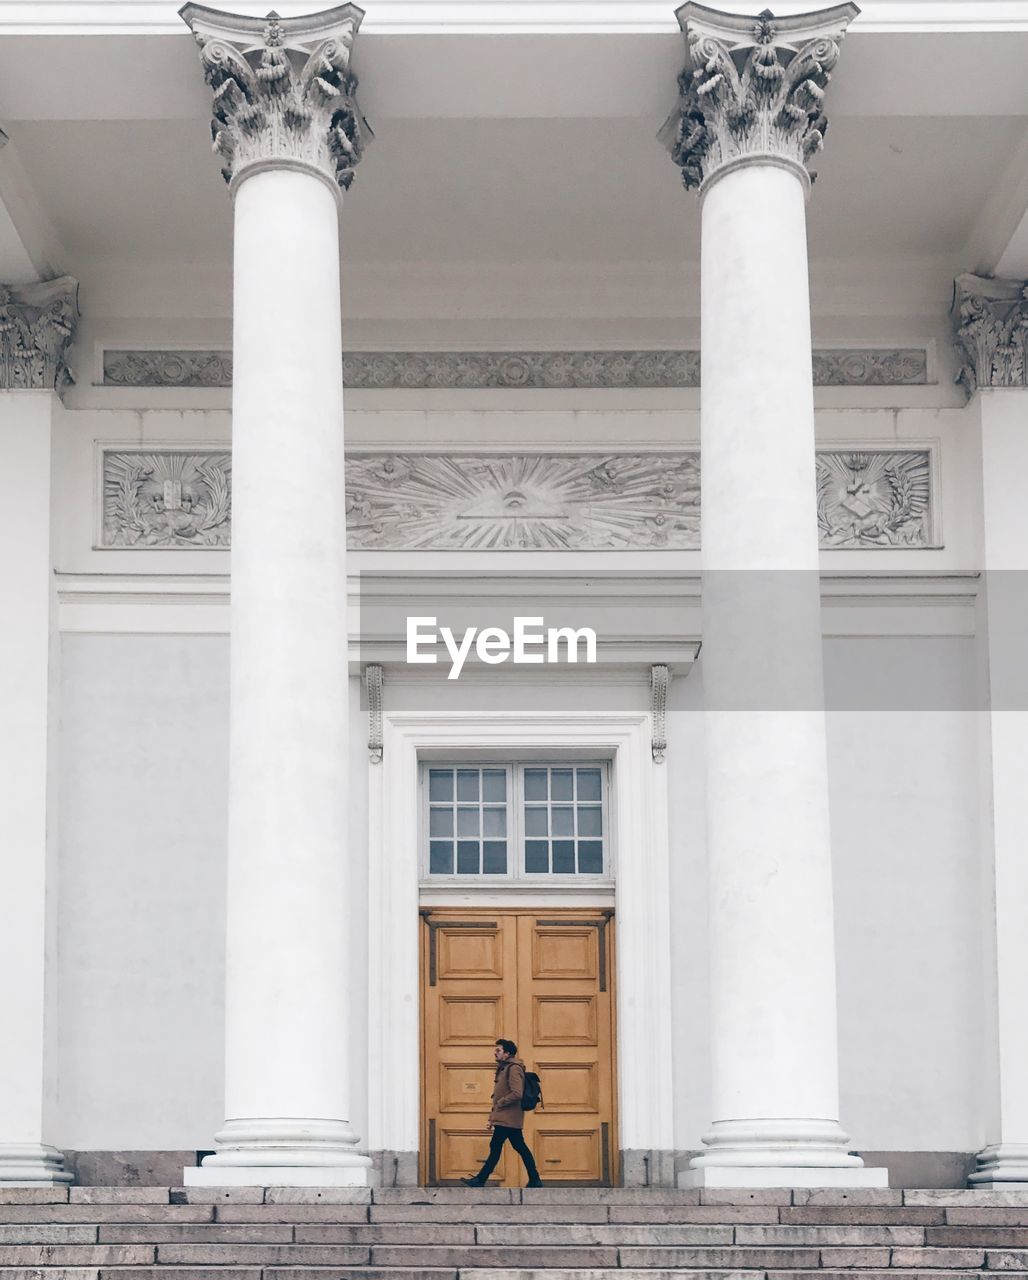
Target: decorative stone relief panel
x,y
159,499
165,499
881,498
523,502
478,370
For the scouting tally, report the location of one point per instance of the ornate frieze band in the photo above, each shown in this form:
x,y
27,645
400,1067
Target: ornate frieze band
x,y
753,89
181,498
992,332
283,91
37,324
481,370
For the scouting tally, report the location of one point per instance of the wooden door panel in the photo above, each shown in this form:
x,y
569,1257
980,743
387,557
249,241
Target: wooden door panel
x,y
565,1020
568,1154
461,1150
466,953
471,1020
539,978
563,953
570,1087
464,1088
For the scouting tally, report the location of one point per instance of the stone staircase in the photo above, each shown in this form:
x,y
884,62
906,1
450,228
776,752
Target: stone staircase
x,y
246,1233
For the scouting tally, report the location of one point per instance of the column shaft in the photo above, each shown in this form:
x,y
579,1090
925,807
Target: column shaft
x,y
286,1087
1003,414
749,120
286,125
772,958
774,1056
27,847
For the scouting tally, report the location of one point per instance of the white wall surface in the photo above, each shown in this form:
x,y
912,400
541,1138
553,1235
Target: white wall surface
x,y
141,941
905,844
143,760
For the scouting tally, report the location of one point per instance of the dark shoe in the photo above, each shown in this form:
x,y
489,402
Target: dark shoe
x,y
534,1182
474,1182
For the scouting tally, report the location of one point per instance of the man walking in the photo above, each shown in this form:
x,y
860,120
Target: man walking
x,y
507,1119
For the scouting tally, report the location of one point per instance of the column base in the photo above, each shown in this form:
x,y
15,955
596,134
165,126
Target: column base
x,y
283,1153
32,1165
1004,1165
779,1153
781,1176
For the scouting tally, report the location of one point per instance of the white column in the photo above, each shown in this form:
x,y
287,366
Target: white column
x,y
993,315
287,1093
27,850
772,950
38,322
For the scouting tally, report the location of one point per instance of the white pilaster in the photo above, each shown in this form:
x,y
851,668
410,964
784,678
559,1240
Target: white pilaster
x,y
993,316
743,137
288,149
27,846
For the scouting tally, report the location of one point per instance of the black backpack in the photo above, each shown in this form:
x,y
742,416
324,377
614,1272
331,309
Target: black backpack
x,y
533,1092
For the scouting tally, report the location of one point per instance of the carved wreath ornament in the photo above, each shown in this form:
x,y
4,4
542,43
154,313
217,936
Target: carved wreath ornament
x,y
282,96
167,500
757,94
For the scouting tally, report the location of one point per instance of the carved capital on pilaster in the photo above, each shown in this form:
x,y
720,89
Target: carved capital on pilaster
x,y
373,685
753,89
284,94
992,332
660,683
37,324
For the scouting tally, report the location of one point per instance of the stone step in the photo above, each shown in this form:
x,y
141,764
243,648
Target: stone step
x,y
774,1197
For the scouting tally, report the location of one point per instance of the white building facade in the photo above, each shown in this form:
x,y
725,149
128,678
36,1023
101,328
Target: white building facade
x,y
744,879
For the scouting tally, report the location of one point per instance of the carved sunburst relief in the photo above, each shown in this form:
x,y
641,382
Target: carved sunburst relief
x,y
523,502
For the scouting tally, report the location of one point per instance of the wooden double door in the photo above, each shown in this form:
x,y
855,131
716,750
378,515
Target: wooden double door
x,y
544,979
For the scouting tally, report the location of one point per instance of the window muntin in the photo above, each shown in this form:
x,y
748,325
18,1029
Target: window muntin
x,y
563,820
467,821
534,821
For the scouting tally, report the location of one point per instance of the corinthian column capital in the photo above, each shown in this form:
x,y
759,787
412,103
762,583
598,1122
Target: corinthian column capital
x,y
992,332
37,324
284,94
753,90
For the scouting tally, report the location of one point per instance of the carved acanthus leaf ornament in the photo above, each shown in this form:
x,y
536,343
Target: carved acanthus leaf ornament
x,y
37,324
753,88
992,332
283,91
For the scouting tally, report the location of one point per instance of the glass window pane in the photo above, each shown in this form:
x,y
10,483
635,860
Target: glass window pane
x,y
440,784
590,857
467,784
588,784
467,857
495,857
560,783
440,822
537,856
467,822
536,821
494,822
535,784
563,820
440,857
590,820
563,857
494,784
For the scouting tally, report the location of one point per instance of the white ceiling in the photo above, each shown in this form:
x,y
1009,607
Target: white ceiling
x,y
500,162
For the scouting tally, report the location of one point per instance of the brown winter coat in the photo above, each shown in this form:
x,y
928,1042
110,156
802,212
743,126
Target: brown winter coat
x,y
507,1090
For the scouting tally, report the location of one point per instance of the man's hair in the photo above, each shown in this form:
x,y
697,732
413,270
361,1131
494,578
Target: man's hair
x,y
508,1047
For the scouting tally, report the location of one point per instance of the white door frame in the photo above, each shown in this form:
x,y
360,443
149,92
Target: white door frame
x,y
642,910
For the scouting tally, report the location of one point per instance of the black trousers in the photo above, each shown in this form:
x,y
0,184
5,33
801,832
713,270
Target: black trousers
x,y
504,1133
